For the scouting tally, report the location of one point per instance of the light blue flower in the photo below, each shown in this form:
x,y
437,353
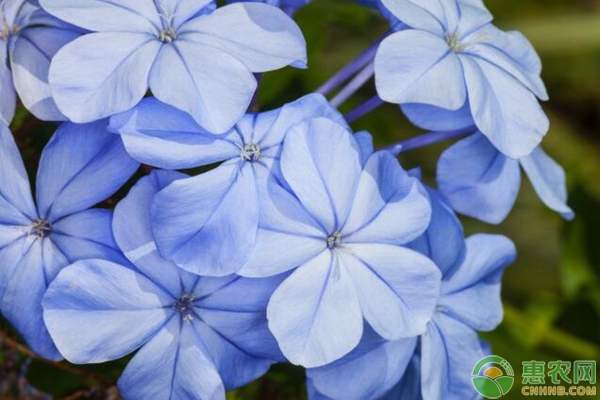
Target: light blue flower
x,y
207,224
453,58
479,181
81,166
197,336
29,38
192,56
343,221
376,365
469,302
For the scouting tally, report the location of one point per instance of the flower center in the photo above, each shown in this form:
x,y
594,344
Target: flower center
x,y
454,43
185,306
250,152
40,228
7,32
334,240
167,35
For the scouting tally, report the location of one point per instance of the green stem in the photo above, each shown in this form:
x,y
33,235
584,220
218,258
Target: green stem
x,y
556,339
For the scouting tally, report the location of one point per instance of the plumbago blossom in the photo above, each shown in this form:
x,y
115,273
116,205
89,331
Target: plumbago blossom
x,y
452,58
199,336
191,55
450,346
293,239
29,38
81,166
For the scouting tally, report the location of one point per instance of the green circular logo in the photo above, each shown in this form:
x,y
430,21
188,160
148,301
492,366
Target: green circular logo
x,y
493,377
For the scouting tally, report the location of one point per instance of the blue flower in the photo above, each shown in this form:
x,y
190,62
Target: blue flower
x,y
453,58
81,166
197,336
207,224
29,38
192,56
377,365
342,215
469,302
479,181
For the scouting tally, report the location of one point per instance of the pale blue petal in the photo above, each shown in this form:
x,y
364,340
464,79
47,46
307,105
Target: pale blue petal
x,y
81,166
310,106
11,10
512,52
98,311
277,252
365,142
503,61
443,241
207,224
366,377
448,349
473,17
477,281
321,161
107,15
235,366
437,119
549,181
243,323
16,203
15,245
21,302
284,224
418,67
312,392
389,206
102,74
436,16
409,386
30,63
174,364
315,314
212,86
158,134
478,180
133,232
84,235
184,10
8,100
397,287
261,36
505,111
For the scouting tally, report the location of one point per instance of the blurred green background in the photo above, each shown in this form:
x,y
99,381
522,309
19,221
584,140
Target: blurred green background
x,y
552,293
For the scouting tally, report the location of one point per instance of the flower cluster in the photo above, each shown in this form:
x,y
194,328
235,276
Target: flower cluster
x,y
299,242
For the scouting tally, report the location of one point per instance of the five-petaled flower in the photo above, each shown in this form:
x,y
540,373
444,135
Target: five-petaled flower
x,y
193,56
454,59
471,275
81,166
